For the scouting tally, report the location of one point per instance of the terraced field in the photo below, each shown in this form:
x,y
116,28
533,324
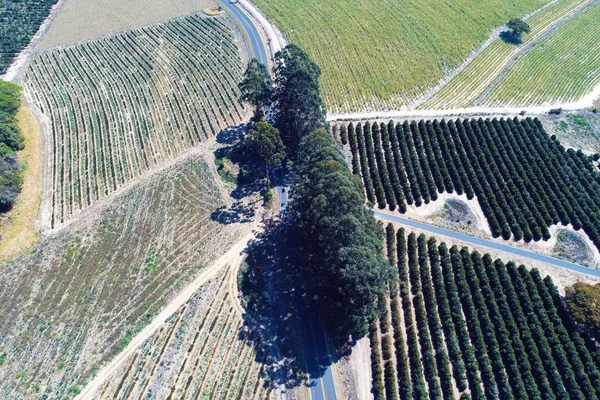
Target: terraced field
x,y
80,295
201,353
119,106
562,68
466,87
500,331
385,54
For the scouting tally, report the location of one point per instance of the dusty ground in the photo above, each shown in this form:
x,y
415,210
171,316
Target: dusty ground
x,y
18,231
82,294
354,372
79,20
579,131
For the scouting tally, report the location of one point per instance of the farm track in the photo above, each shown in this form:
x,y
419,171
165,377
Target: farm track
x,y
196,353
115,114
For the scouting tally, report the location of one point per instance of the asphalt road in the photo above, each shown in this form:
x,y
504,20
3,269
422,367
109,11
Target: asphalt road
x,y
258,47
486,243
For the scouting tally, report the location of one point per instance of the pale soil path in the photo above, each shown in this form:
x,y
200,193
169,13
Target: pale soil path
x,y
20,63
233,256
530,46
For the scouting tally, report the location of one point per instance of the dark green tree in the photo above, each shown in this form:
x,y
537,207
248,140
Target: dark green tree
x,y
256,87
299,105
264,142
516,28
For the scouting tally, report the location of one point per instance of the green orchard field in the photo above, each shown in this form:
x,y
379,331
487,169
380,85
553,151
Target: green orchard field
x,y
562,68
386,54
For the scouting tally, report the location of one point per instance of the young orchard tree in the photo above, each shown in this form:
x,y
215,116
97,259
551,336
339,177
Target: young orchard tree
x,y
516,29
256,87
265,143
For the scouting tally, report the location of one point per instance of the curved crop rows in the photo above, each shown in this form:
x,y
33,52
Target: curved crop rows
x,y
119,106
471,327
462,90
562,68
201,353
384,54
524,180
81,295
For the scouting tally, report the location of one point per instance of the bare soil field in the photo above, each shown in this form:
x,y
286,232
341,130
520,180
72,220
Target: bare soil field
x,y
79,20
81,295
18,230
579,131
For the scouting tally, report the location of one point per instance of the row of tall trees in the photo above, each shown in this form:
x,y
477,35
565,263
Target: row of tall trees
x,y
488,329
524,179
11,140
340,258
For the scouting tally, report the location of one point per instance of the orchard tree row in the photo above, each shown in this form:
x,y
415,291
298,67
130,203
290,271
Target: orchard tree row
x,y
19,21
461,323
524,179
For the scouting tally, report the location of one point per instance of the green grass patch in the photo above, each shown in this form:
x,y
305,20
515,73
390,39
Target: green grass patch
x,y
384,54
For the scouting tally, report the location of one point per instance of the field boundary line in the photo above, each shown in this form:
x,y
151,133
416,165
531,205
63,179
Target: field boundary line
x,y
530,46
233,255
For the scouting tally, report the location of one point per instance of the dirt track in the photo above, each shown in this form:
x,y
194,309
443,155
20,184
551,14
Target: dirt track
x,y
232,257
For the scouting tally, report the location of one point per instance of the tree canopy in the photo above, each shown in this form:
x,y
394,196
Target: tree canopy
x,y
10,141
256,87
583,300
342,240
516,29
299,104
264,141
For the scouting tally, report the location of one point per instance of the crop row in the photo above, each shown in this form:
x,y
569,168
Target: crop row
x,y
471,327
19,21
119,106
373,55
524,180
562,68
464,89
197,355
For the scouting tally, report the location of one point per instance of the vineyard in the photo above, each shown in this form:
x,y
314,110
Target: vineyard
x,y
461,325
372,54
19,21
524,180
80,295
562,68
121,105
195,355
465,88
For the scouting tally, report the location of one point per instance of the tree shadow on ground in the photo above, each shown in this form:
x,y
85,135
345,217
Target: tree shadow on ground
x,y
248,182
511,37
281,313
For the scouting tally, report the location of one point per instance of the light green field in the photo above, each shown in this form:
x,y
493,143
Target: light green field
x,y
464,89
562,68
383,53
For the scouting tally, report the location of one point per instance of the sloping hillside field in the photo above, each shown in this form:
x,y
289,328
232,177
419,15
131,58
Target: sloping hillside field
x,y
384,54
200,353
120,105
81,295
524,180
562,68
500,331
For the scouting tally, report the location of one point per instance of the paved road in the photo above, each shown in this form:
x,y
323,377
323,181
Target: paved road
x,y
258,47
318,364
486,243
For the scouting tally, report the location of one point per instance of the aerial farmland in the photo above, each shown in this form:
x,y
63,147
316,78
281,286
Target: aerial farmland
x,y
312,200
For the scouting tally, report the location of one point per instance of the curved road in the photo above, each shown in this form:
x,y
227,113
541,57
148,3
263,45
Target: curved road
x,y
258,47
486,243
